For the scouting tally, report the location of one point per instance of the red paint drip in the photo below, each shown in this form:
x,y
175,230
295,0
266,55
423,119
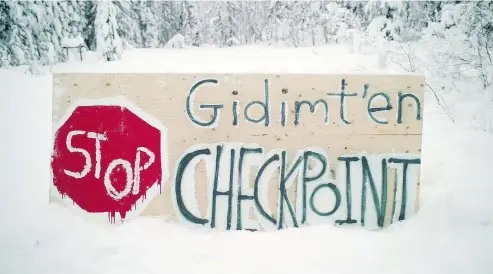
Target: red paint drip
x,y
123,214
111,217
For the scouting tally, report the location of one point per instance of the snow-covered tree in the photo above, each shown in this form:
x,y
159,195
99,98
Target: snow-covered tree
x,y
338,22
253,22
148,23
221,26
32,31
190,24
108,41
5,33
170,20
475,21
278,22
87,8
128,21
21,41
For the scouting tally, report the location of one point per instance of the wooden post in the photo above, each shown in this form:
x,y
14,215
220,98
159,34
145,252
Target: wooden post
x,y
77,47
80,52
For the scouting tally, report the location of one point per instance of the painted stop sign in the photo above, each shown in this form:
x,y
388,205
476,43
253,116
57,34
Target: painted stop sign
x,y
107,158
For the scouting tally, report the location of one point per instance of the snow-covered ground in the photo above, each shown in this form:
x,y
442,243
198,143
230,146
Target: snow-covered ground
x,y
246,59
452,233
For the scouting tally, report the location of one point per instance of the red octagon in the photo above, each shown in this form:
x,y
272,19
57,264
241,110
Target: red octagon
x,y
106,158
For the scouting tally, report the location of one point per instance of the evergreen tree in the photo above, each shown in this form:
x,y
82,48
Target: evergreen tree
x,y
5,34
253,22
189,28
108,41
170,20
88,31
278,22
21,40
129,22
148,24
228,24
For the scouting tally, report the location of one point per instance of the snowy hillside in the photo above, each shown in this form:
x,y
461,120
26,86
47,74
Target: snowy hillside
x,y
452,233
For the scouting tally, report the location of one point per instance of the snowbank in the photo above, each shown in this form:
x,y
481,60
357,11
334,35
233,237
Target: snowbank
x,y
244,59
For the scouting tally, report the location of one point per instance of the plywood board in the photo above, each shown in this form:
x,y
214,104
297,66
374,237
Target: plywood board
x,y
330,149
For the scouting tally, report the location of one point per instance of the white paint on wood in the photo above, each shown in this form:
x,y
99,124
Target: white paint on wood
x,y
87,157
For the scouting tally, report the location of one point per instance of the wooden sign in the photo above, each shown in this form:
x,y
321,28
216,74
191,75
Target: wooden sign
x,y
238,152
